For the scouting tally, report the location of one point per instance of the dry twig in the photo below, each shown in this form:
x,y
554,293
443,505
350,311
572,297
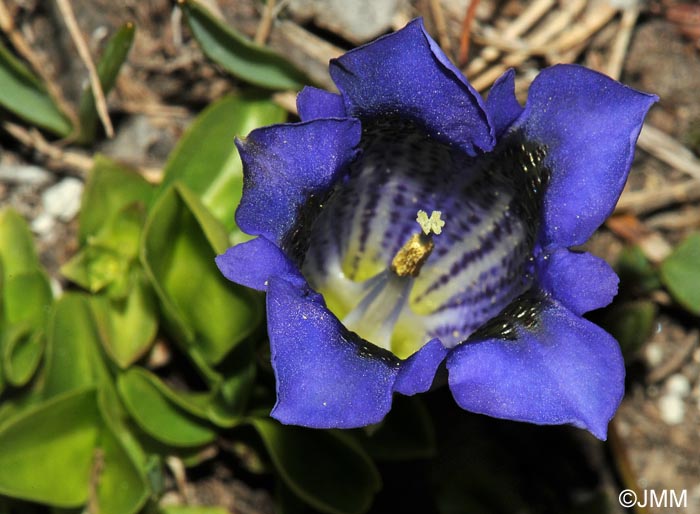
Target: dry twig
x,y
676,361
649,200
84,53
441,26
529,17
464,36
618,52
265,25
667,149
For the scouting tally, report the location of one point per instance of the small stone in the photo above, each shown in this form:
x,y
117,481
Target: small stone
x,y
678,385
671,409
654,354
62,200
43,224
24,174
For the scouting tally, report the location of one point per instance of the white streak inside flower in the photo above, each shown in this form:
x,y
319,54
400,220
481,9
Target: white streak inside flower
x,y
385,294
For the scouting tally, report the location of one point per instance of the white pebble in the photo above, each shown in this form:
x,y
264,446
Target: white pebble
x,y
654,354
62,200
671,409
678,385
24,174
43,224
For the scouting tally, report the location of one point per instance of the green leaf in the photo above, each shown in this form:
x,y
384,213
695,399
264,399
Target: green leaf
x,y
110,188
631,323
22,348
17,253
237,55
127,326
205,312
27,297
157,415
405,434
114,55
637,275
325,469
46,453
121,487
23,94
206,160
95,267
72,339
680,272
234,390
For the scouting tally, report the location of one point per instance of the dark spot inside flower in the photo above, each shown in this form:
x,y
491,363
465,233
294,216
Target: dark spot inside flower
x,y
522,312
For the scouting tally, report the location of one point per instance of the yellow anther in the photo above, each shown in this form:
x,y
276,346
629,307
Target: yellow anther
x,y
410,258
432,224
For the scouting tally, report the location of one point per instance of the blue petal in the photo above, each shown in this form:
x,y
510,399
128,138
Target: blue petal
x,y
285,165
326,376
589,124
314,103
418,371
252,263
502,105
406,75
564,370
580,281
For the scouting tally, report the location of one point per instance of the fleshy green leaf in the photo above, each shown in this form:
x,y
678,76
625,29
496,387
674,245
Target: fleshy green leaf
x,y
72,339
405,434
122,487
157,415
205,311
127,326
46,453
637,275
110,188
237,55
325,469
680,272
631,323
23,94
206,160
22,348
114,55
95,267
27,298
17,252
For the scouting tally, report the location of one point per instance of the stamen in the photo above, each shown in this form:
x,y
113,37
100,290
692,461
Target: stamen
x,y
375,316
409,260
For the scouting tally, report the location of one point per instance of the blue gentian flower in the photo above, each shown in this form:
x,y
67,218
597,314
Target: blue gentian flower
x,y
406,222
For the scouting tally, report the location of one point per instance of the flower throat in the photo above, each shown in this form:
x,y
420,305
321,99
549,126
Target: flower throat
x,y
396,284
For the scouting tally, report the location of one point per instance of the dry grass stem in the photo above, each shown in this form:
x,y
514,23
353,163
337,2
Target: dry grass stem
x,y
268,15
441,26
649,200
529,17
84,53
287,100
618,51
667,149
33,139
551,27
676,361
465,34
